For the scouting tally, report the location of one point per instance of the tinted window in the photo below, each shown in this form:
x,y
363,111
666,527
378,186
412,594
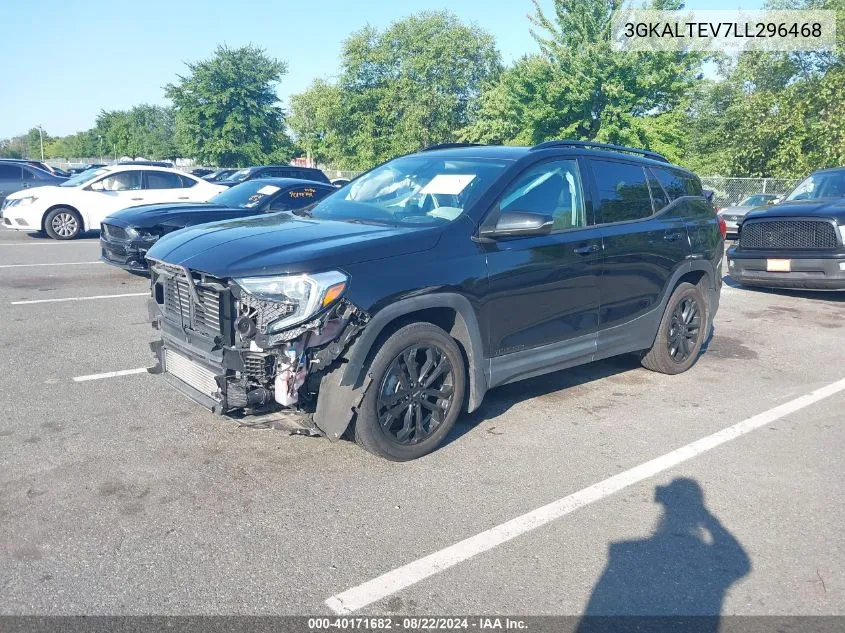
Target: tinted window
x,y
623,191
29,174
122,181
163,180
658,196
297,197
676,183
552,188
187,182
10,172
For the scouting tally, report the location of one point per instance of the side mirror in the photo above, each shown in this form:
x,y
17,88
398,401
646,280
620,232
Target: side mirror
x,y
518,224
775,201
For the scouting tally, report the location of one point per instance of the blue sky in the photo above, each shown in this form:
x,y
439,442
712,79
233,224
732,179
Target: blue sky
x,y
66,60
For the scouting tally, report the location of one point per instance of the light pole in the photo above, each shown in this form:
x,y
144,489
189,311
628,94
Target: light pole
x,y
100,138
41,136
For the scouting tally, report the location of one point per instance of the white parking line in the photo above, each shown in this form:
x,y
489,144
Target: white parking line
x,y
128,294
400,578
32,265
50,243
111,374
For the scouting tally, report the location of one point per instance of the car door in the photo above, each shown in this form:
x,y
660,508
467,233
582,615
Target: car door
x,y
644,240
115,191
165,186
542,302
11,179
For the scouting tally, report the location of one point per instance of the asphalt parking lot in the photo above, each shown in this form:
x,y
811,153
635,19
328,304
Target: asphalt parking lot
x,y
120,496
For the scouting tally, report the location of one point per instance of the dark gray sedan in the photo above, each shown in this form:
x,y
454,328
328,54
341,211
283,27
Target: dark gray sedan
x,y
16,175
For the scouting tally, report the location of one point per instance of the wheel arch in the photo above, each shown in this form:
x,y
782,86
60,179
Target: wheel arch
x,y
449,311
82,227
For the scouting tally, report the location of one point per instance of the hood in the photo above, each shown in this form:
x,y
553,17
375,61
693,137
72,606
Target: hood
x,y
148,215
738,210
42,191
825,208
281,243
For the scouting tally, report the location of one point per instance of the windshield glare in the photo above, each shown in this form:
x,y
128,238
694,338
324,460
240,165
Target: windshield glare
x,y
240,175
815,186
246,195
86,176
419,190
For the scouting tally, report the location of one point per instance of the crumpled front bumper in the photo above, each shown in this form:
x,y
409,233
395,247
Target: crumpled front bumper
x,y
126,254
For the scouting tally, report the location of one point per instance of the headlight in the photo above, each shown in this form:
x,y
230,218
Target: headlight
x,y
842,232
304,295
20,202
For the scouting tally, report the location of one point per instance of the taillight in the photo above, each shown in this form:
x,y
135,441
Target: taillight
x,y
723,227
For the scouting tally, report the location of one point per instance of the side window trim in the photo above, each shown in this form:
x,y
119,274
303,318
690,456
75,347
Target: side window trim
x,y
492,215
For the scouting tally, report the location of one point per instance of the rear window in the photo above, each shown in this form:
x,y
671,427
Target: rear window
x,y
677,184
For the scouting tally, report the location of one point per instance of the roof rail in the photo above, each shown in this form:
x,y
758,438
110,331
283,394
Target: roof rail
x,y
605,146
449,146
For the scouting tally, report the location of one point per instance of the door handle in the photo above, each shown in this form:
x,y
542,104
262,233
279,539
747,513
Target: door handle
x,y
586,250
183,198
136,198
672,237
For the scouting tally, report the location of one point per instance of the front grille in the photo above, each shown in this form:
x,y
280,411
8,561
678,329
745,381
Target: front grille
x,y
190,373
791,234
116,232
177,301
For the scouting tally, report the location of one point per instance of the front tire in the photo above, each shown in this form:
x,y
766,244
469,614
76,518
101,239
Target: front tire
x,y
416,394
63,223
682,332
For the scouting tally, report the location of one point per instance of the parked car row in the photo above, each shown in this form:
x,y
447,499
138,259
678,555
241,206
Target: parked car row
x,y
32,199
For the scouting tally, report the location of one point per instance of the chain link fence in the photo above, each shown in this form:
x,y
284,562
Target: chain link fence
x,y
731,191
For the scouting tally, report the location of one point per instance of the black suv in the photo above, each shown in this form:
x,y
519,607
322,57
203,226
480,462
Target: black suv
x,y
398,301
798,243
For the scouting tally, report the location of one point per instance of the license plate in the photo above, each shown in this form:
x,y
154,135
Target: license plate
x,y
778,265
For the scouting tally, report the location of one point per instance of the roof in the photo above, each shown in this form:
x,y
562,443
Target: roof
x,y
277,167
169,170
289,182
510,152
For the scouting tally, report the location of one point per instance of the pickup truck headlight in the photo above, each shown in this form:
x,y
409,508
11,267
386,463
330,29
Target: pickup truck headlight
x,y
304,295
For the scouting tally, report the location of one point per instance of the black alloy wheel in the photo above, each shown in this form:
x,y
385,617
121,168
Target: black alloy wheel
x,y
684,330
416,394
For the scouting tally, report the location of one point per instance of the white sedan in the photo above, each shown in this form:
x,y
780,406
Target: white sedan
x,y
80,203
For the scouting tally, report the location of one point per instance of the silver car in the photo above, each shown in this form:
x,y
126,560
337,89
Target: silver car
x,y
733,215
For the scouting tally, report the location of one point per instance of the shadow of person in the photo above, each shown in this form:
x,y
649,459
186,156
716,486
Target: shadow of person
x,y
674,580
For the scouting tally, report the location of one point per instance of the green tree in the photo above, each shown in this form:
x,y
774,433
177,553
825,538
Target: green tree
x,y
227,110
414,84
580,87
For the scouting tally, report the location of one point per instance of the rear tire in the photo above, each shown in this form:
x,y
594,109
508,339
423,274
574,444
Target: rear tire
x,y
63,223
416,394
682,331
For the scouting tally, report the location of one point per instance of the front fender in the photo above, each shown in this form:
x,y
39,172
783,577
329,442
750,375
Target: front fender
x,y
465,330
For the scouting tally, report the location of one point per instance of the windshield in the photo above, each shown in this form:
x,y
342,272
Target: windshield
x,y
246,195
419,190
86,176
240,175
824,185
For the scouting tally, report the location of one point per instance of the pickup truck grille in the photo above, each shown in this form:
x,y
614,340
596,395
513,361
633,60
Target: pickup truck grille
x,y
788,234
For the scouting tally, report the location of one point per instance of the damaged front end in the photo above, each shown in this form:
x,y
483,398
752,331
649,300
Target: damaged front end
x,y
255,345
